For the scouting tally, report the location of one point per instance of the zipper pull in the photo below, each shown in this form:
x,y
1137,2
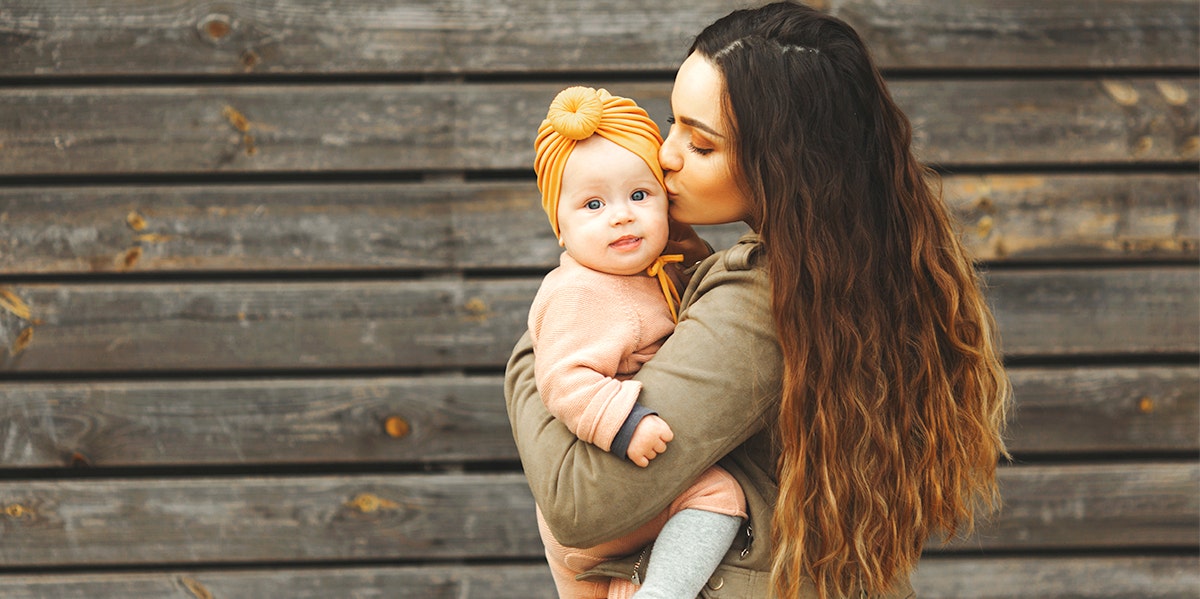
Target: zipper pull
x,y
637,577
749,540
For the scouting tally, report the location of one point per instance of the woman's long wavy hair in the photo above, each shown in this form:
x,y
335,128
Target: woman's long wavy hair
x,y
894,394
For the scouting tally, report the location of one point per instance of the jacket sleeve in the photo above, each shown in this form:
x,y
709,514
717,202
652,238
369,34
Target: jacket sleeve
x,y
715,380
582,335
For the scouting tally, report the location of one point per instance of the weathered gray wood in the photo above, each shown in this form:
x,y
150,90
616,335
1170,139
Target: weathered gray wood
x,y
438,323
1093,506
275,227
479,126
462,419
1023,34
938,577
501,225
418,36
1059,312
447,516
1077,217
295,519
1105,410
1110,120
389,324
360,37
274,421
508,581
1052,577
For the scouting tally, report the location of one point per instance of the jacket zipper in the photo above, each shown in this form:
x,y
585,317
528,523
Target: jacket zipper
x,y
749,540
637,577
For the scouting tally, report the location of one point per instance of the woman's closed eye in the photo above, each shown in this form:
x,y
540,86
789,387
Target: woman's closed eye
x,y
692,147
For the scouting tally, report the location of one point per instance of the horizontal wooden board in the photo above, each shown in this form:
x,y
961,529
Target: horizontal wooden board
x,y
1094,506
504,581
1113,410
938,577
277,421
234,520
482,126
1023,34
59,37
1059,312
456,323
459,419
1052,577
446,516
354,324
1077,217
498,225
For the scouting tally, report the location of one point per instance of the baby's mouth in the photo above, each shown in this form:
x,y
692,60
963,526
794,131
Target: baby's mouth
x,y
626,242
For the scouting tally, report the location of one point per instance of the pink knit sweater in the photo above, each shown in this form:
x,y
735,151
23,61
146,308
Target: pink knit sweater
x,y
591,331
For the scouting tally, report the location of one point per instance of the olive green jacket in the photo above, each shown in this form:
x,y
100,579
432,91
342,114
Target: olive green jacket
x,y
716,381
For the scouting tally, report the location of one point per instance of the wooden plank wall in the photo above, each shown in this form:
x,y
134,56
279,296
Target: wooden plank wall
x,y
261,263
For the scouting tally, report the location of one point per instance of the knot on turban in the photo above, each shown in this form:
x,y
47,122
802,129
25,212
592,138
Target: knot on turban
x,y
578,113
575,113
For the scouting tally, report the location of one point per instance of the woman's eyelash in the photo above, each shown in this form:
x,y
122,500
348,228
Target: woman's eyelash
x,y
691,147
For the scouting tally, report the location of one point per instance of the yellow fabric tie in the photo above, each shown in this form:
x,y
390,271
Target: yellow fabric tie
x,y
658,269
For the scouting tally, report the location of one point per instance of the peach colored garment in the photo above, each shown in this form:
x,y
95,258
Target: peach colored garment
x,y
714,491
591,331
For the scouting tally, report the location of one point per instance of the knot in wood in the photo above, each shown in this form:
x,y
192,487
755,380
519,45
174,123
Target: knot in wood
x,y
368,503
396,427
1146,405
215,27
18,511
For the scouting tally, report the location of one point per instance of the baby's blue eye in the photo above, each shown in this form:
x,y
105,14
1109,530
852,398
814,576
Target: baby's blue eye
x,y
638,196
593,204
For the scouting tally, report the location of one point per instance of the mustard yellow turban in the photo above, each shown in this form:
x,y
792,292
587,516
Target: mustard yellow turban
x,y
576,114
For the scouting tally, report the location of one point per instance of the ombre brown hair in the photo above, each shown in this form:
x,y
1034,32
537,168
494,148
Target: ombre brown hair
x,y
894,392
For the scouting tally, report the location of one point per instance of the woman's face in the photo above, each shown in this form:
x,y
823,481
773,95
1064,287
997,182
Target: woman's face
x,y
697,155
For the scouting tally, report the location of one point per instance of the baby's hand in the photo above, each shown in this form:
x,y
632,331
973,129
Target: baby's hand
x,y
650,438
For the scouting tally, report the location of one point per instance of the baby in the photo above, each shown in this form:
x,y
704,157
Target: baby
x,y
601,314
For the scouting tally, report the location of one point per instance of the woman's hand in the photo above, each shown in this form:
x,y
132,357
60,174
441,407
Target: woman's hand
x,y
682,239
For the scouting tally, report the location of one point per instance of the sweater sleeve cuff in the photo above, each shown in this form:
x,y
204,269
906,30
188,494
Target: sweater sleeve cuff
x,y
620,443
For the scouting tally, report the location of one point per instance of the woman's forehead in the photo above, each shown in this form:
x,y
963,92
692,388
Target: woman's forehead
x,y
699,88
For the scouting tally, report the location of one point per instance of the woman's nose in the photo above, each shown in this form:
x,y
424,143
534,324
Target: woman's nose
x,y
668,157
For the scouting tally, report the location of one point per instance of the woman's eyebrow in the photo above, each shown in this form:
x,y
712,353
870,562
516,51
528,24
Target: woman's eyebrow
x,y
691,122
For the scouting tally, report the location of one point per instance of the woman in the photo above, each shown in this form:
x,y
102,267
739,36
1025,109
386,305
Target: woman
x,y
840,361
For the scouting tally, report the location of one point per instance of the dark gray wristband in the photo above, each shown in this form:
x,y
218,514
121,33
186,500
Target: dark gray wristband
x,y
620,444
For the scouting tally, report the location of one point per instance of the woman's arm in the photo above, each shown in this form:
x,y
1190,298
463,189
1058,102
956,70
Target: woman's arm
x,y
715,380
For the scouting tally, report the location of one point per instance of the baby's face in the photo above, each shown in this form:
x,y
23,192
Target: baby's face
x,y
612,212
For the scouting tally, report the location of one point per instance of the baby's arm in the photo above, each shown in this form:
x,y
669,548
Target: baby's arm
x,y
649,439
582,335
